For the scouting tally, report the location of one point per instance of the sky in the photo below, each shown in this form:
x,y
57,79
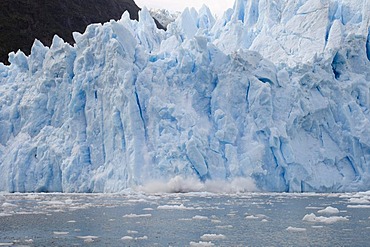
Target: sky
x,y
217,7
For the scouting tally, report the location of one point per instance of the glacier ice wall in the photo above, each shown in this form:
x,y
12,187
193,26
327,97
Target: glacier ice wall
x,y
277,92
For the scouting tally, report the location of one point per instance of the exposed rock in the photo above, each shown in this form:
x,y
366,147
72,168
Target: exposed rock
x,y
23,21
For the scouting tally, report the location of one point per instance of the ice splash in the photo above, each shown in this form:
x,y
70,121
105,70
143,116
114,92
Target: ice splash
x,y
179,184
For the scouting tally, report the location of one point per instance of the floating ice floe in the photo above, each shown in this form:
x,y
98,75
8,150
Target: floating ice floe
x,y
127,238
61,233
136,215
88,239
208,237
329,210
200,217
175,207
296,229
359,206
201,244
321,219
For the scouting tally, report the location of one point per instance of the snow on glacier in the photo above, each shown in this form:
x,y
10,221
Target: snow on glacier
x,y
274,93
164,16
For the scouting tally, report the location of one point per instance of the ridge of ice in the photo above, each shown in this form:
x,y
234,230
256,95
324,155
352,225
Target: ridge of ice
x,y
164,16
274,92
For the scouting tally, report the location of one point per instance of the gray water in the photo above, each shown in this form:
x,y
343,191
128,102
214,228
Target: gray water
x,y
194,219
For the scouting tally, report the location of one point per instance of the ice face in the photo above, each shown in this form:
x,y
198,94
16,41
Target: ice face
x,y
274,93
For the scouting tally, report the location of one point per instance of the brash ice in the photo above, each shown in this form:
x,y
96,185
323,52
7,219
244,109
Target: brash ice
x,y
275,92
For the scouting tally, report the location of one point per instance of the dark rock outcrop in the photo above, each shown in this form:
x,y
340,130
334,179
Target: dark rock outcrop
x,y
23,21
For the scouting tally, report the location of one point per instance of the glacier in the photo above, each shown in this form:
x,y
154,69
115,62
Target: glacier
x,y
274,93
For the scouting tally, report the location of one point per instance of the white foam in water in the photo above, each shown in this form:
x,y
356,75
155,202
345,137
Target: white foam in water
x,y
224,227
53,203
68,201
8,205
315,208
359,201
142,238
88,239
321,219
184,219
177,207
6,244
329,210
132,232
61,233
127,238
317,227
199,217
358,206
137,200
261,216
208,237
136,215
295,229
24,213
201,244
5,214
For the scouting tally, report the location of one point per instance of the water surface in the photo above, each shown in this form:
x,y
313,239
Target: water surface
x,y
193,219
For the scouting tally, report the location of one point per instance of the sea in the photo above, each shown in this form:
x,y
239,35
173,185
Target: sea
x,y
185,219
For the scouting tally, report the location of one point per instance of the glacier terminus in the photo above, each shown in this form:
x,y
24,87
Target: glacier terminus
x,y
272,96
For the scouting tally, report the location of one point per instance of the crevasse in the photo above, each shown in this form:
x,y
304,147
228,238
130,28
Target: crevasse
x,y
267,95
